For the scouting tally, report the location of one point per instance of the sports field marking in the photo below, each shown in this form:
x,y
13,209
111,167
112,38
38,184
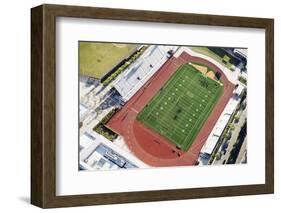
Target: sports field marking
x,y
173,76
182,110
198,120
134,110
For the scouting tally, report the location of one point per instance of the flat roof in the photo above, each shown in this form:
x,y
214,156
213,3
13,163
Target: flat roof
x,y
136,75
214,136
82,110
92,146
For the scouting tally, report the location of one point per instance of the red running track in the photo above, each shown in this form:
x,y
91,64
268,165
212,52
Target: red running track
x,y
151,147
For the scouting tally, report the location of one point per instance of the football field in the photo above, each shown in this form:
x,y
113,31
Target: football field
x,y
181,107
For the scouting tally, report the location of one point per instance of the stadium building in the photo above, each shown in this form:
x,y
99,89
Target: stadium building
x,y
238,57
132,79
211,142
98,153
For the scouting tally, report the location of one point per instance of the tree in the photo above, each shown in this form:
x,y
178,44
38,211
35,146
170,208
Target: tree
x,y
226,135
236,118
231,127
218,156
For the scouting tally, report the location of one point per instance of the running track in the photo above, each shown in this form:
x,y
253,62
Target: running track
x,y
148,145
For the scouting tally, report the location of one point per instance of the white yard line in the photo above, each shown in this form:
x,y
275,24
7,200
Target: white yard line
x,y
202,114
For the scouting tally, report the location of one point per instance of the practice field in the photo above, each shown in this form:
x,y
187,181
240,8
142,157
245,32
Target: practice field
x,y
179,110
96,59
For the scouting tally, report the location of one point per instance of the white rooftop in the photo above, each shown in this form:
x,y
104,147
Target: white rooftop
x,y
136,75
231,106
241,51
208,147
90,142
214,136
82,110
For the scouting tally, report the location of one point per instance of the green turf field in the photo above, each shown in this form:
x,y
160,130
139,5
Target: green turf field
x,y
208,52
179,110
96,59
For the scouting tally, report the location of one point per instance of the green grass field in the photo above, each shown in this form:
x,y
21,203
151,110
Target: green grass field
x,y
179,110
96,59
206,51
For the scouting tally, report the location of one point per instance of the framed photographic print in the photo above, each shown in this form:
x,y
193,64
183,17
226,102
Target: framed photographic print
x,y
135,106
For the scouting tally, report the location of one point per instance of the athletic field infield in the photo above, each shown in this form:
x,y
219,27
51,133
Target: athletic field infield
x,y
180,108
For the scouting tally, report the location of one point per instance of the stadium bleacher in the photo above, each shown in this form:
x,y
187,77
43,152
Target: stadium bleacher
x,y
136,75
